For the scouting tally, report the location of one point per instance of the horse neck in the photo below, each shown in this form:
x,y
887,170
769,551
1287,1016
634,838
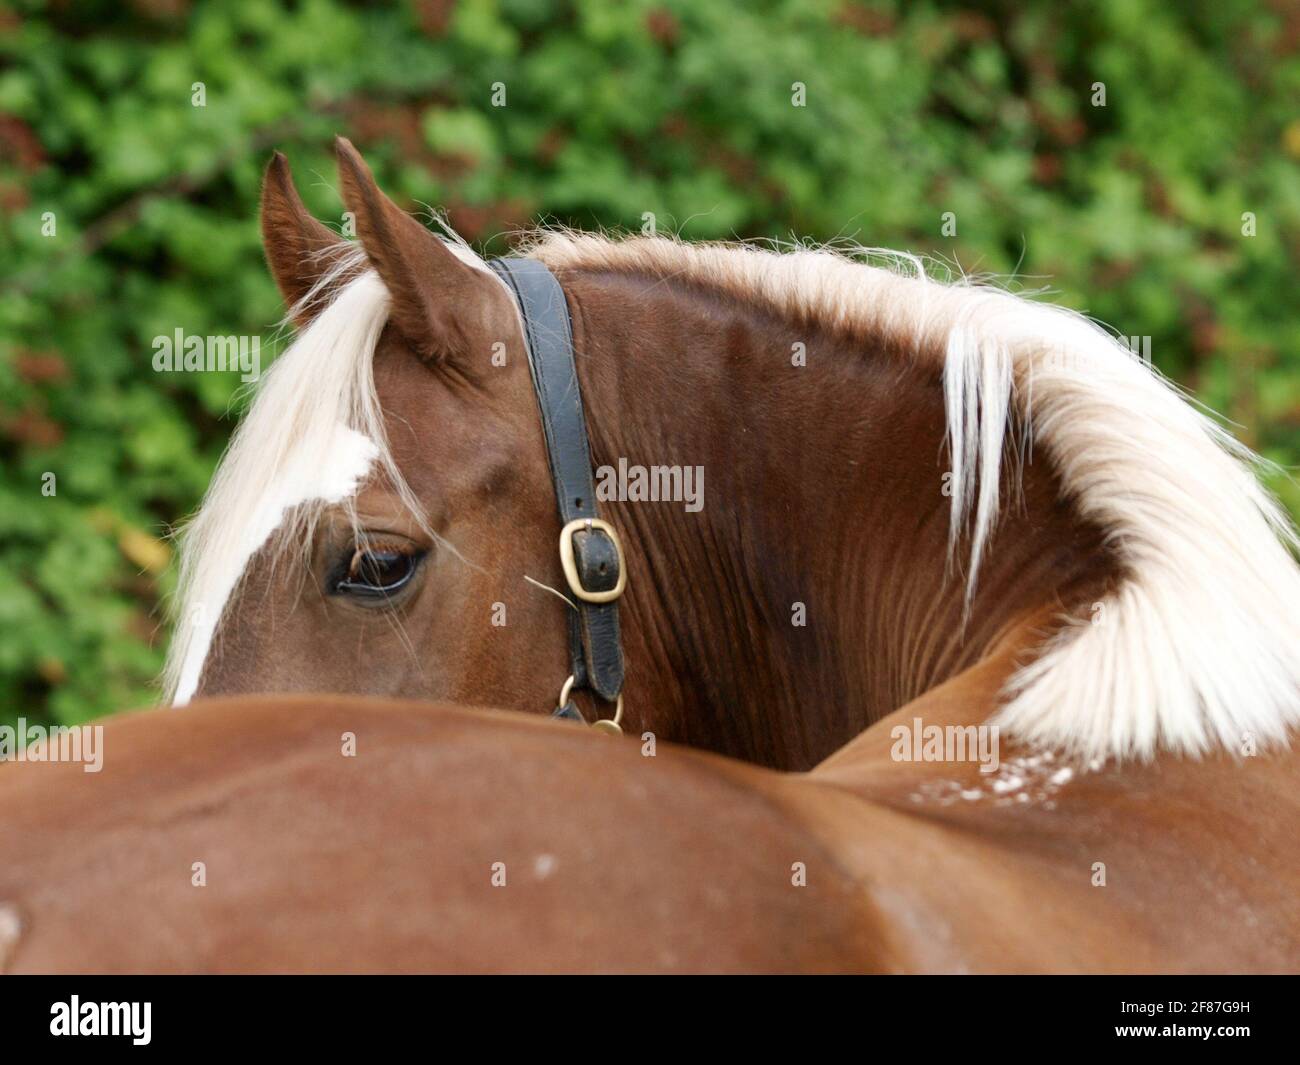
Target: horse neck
x,y
812,593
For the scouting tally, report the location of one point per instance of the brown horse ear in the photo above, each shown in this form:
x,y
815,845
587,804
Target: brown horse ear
x,y
298,248
438,301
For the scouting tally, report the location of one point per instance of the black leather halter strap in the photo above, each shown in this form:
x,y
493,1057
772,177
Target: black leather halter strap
x,y
590,552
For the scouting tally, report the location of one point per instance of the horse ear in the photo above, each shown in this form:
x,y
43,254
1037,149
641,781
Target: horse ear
x,y
438,301
298,248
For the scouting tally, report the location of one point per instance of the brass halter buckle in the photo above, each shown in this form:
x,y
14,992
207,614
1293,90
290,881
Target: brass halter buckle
x,y
609,725
569,562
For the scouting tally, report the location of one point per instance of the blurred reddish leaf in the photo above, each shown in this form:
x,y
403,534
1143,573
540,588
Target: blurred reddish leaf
x,y
663,26
19,143
32,428
434,16
38,367
864,19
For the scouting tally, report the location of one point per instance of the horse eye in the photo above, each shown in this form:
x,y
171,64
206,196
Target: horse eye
x,y
376,571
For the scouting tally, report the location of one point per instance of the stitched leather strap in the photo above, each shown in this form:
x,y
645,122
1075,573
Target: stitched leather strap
x,y
596,651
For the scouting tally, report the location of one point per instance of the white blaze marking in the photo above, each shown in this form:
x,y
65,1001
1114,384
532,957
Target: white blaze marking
x,y
331,477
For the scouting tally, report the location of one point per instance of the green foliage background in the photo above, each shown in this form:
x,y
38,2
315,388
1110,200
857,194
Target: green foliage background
x,y
1131,211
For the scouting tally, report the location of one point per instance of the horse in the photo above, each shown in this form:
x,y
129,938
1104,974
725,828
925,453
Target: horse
x,y
937,519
